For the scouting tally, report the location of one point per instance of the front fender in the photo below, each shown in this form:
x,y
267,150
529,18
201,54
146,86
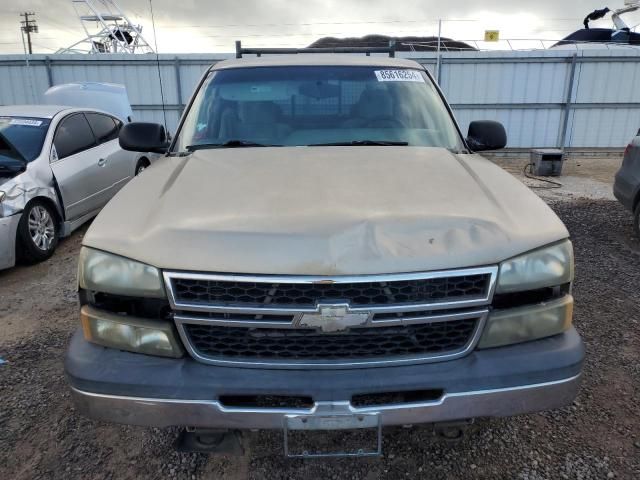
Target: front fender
x,y
33,183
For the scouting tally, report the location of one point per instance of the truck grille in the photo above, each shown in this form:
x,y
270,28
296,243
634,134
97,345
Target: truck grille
x,y
358,344
208,292
302,321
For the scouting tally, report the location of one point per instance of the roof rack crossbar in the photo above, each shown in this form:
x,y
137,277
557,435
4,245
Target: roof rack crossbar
x,y
240,50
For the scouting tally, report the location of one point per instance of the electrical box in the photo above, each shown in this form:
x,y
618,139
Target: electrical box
x,y
547,162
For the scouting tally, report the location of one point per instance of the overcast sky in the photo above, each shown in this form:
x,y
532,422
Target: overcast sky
x,y
185,26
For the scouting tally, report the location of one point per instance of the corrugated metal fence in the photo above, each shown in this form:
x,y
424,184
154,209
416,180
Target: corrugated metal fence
x,y
552,98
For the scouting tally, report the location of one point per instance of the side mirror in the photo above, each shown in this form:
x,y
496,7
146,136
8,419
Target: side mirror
x,y
143,137
486,135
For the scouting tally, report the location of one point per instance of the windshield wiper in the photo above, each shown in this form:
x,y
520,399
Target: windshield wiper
x,y
362,143
228,144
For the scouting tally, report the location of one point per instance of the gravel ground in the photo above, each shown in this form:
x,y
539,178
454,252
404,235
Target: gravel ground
x,y
597,437
582,178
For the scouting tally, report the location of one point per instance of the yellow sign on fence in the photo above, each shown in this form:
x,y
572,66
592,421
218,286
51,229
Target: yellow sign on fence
x,y
492,35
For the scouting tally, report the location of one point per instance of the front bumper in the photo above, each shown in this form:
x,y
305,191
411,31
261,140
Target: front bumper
x,y
8,229
134,389
155,412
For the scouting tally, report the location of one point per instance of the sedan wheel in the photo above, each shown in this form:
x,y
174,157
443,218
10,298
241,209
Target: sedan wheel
x,y
37,232
41,228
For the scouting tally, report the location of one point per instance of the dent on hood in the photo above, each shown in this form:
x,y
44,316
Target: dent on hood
x,y
401,241
19,190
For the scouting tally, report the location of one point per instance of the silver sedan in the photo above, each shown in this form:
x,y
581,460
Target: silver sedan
x,y
58,167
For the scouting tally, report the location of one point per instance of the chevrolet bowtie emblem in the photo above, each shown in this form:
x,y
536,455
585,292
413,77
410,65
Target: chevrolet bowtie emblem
x,y
333,318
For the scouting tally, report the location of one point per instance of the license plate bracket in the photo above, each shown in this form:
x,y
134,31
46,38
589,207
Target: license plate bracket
x,y
316,423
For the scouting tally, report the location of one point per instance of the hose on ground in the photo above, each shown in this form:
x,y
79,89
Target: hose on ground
x,y
528,172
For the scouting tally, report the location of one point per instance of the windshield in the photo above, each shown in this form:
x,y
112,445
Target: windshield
x,y
21,138
302,106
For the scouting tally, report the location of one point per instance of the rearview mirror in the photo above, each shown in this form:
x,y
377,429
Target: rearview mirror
x,y
486,135
144,137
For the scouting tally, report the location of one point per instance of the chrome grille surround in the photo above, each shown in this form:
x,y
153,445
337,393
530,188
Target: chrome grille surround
x,y
281,317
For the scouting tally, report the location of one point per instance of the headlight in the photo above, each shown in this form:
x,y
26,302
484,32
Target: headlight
x,y
153,337
548,267
108,273
525,324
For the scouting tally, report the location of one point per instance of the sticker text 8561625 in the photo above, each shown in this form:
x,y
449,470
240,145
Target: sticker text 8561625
x,y
399,76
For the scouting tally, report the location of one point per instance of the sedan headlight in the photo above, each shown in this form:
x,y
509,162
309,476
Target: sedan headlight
x,y
547,267
108,273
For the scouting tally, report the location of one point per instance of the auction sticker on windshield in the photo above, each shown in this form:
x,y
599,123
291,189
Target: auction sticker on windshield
x,y
399,76
26,122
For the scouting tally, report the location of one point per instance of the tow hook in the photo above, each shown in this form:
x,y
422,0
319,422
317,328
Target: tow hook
x,y
220,442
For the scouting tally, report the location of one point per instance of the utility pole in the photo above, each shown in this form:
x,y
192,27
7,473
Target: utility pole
x,y
28,26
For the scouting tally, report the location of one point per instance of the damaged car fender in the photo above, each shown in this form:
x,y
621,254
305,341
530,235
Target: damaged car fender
x,y
35,182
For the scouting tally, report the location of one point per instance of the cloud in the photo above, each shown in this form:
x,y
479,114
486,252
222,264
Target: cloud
x,y
207,26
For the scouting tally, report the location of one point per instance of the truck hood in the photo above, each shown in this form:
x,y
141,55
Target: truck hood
x,y
324,211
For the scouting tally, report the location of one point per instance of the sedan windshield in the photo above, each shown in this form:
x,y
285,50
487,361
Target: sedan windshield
x,y
318,106
21,138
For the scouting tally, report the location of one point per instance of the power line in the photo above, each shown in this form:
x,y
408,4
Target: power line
x,y
380,22
239,25
410,32
45,47
50,20
19,41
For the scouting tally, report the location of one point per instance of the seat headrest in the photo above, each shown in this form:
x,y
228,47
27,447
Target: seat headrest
x,y
259,112
374,103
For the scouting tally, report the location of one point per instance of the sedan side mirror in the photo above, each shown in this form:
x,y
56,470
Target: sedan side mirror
x,y
144,137
486,135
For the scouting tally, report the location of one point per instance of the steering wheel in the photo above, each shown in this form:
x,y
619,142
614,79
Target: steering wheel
x,y
384,122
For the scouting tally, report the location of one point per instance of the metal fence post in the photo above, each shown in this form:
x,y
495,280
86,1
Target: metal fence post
x,y
568,102
176,66
47,63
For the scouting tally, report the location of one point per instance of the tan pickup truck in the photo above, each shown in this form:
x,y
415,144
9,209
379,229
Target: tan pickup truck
x,y
321,249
